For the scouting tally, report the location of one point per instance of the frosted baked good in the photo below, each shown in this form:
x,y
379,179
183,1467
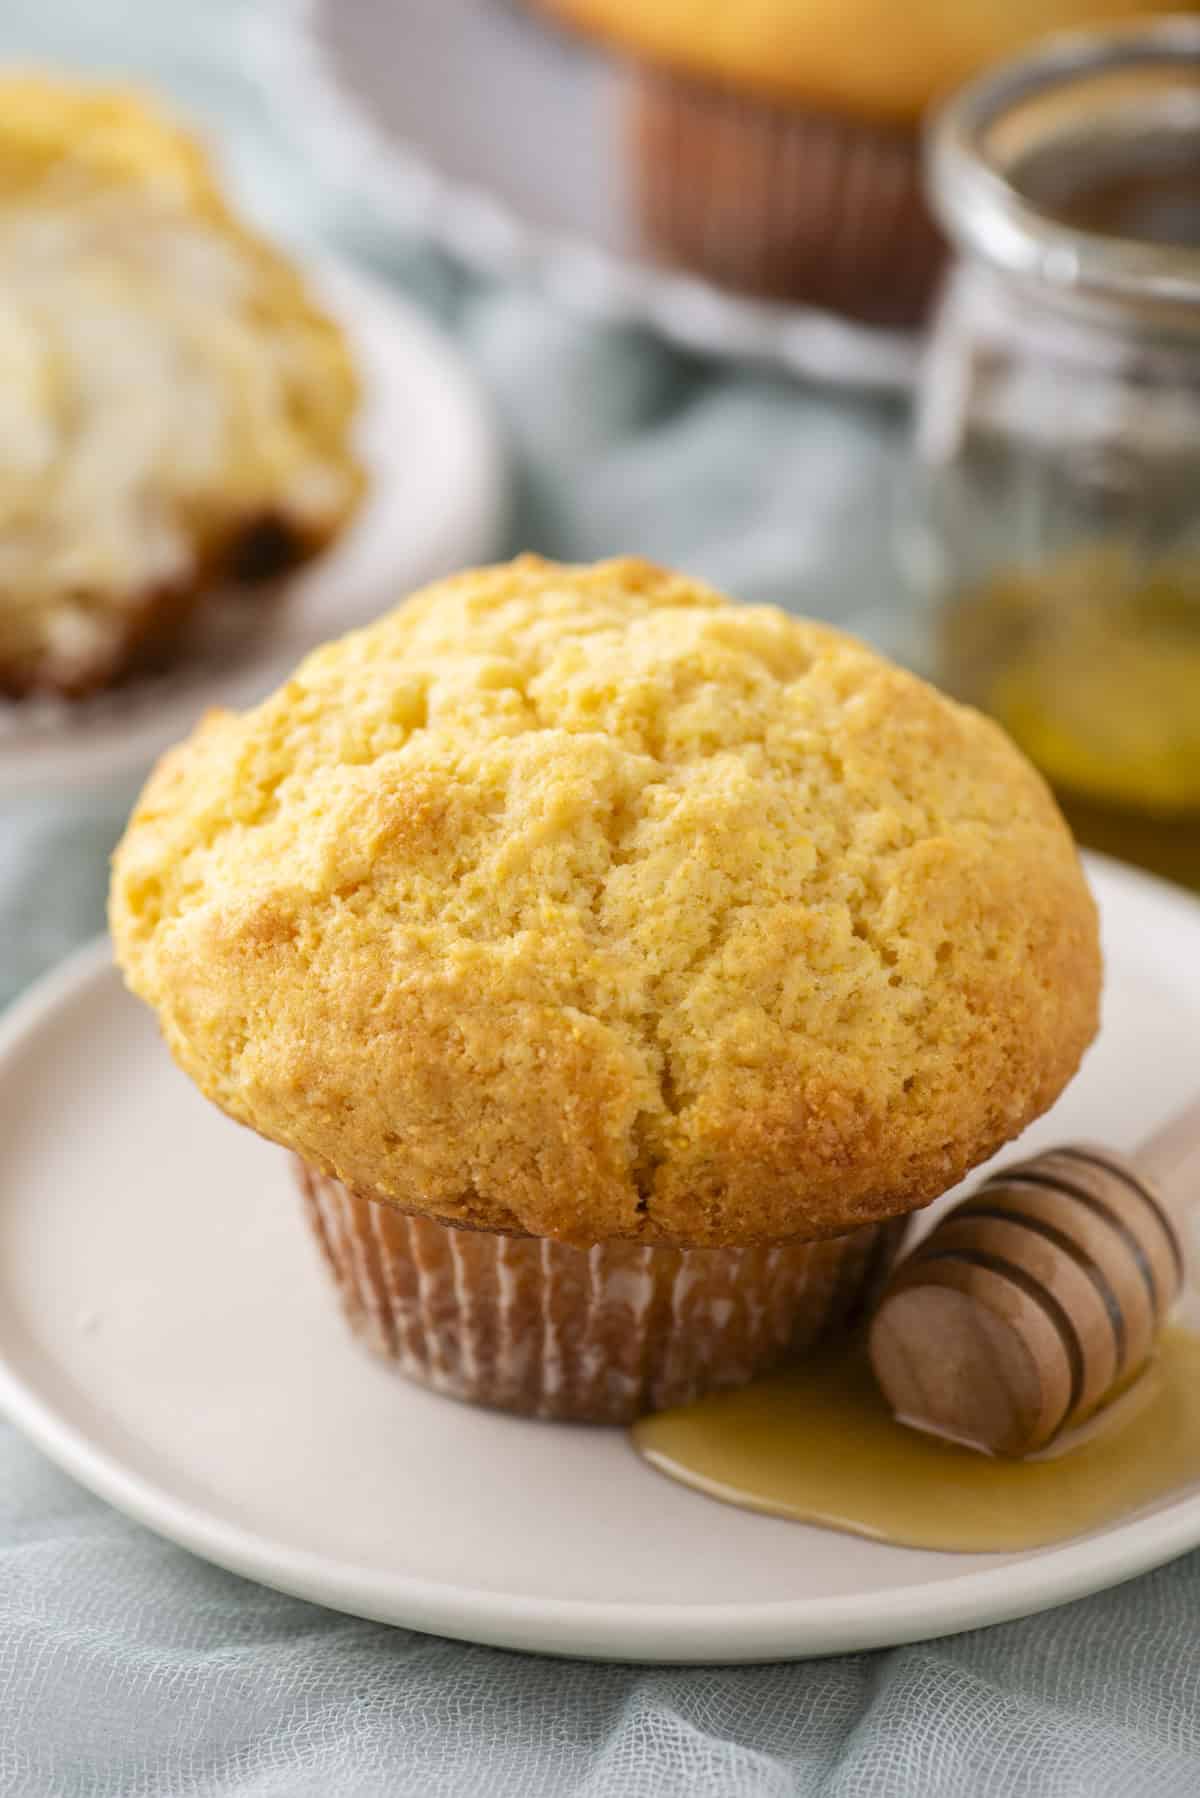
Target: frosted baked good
x,y
174,408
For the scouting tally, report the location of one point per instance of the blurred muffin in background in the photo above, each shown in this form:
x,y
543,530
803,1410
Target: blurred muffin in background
x,y
776,142
174,409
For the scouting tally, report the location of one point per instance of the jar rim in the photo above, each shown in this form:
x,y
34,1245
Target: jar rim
x,y
985,212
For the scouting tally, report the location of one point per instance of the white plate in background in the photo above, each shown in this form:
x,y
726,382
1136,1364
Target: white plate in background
x,y
479,127
168,1337
436,502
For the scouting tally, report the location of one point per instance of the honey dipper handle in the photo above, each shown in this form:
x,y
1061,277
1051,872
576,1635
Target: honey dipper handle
x,y
1171,1159
1034,1298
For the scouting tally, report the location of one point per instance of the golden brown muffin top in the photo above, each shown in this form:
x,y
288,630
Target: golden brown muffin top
x,y
580,902
878,59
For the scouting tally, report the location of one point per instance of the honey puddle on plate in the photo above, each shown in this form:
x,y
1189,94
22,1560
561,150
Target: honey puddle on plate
x,y
819,1444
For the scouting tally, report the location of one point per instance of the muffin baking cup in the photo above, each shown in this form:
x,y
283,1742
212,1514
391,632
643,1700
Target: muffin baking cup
x,y
585,1335
782,202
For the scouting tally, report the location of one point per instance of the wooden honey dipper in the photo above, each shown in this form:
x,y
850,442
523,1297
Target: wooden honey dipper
x,y
1042,1294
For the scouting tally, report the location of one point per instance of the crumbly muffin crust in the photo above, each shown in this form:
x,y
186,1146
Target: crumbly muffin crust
x,y
579,902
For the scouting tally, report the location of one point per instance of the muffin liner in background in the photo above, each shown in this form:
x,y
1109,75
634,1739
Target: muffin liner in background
x,y
781,202
587,1335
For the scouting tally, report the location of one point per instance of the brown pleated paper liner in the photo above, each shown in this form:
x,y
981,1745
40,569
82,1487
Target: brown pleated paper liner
x,y
783,203
590,1335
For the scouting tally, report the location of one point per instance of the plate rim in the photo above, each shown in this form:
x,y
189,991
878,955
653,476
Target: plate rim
x,y
90,749
783,1629
297,80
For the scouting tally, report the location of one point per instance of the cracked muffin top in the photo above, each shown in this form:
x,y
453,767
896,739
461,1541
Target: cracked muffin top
x,y
579,902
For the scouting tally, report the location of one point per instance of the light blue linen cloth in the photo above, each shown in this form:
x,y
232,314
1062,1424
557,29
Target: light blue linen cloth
x,y
128,1667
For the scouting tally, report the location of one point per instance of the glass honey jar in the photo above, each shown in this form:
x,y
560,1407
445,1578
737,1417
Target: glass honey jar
x,y
1056,529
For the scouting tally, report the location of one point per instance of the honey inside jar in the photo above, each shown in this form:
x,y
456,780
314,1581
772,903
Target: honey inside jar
x,y
1091,662
1058,427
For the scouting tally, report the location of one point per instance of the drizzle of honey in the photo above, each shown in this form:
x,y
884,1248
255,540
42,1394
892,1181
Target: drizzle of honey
x,y
818,1444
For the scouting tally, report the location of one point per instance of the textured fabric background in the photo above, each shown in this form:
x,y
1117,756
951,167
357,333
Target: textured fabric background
x,y
126,1666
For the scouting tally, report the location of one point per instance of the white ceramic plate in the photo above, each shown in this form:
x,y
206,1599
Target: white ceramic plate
x,y
167,1336
440,113
436,502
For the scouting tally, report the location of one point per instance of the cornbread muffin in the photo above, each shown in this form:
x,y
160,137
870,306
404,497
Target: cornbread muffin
x,y
173,409
579,904
776,141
